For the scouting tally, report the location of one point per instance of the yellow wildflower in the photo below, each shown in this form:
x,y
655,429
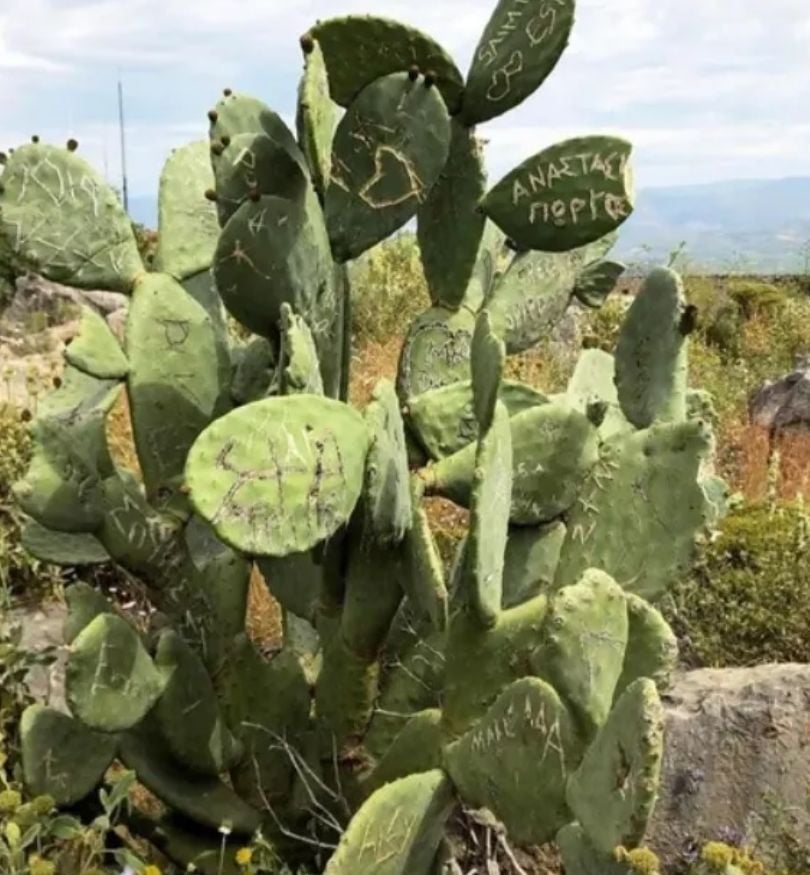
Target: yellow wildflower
x,y
10,801
151,870
38,866
244,856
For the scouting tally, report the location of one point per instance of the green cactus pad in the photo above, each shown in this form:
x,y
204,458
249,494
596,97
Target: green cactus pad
x,y
481,662
387,480
597,281
450,228
256,164
424,582
580,857
388,152
62,548
316,118
554,449
275,251
412,683
294,581
187,221
520,46
301,374
188,711
132,532
359,49
344,696
530,561
236,114
651,353
593,383
205,800
277,476
111,682
95,350
530,299
566,196
639,513
265,701
585,639
488,356
60,216
436,351
652,648
443,420
416,749
255,374
487,267
489,518
613,792
398,829
516,760
84,604
201,287
177,383
61,758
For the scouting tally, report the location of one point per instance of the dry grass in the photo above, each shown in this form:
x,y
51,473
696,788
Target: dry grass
x,y
120,438
264,622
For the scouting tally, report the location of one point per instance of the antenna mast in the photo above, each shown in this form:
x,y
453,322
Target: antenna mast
x,y
123,144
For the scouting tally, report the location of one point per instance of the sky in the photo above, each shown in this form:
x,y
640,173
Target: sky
x,y
707,90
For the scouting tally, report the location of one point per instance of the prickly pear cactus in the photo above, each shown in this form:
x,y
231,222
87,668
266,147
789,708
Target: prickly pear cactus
x,y
523,680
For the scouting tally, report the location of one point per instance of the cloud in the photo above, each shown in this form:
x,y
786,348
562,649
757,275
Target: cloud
x,y
706,90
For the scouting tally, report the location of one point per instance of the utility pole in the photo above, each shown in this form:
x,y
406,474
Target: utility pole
x,y
123,144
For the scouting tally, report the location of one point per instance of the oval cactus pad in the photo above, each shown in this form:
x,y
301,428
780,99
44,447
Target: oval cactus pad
x,y
280,475
566,196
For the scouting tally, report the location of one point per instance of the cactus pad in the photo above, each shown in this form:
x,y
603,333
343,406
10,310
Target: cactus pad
x,y
651,364
359,49
95,350
520,46
273,251
278,476
255,374
652,648
316,118
301,373
585,641
612,793
188,712
597,281
111,682
175,368
530,299
554,449
443,420
84,604
450,228
416,749
187,221
62,548
387,488
397,829
530,561
566,196
436,351
205,800
489,518
60,215
488,356
640,511
388,152
61,758
516,760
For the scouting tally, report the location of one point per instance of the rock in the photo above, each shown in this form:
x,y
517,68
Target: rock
x,y
42,631
737,744
783,403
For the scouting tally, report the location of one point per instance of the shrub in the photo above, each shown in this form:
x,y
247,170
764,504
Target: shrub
x,y
748,600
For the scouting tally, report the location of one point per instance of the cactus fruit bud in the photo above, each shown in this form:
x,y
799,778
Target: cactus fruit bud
x,y
227,92
3,157
307,44
254,194
226,141
511,244
210,195
217,148
213,115
72,145
413,72
57,382
25,416
430,79
689,320
35,138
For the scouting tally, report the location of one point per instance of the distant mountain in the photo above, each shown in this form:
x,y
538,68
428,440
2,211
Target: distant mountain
x,y
755,226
